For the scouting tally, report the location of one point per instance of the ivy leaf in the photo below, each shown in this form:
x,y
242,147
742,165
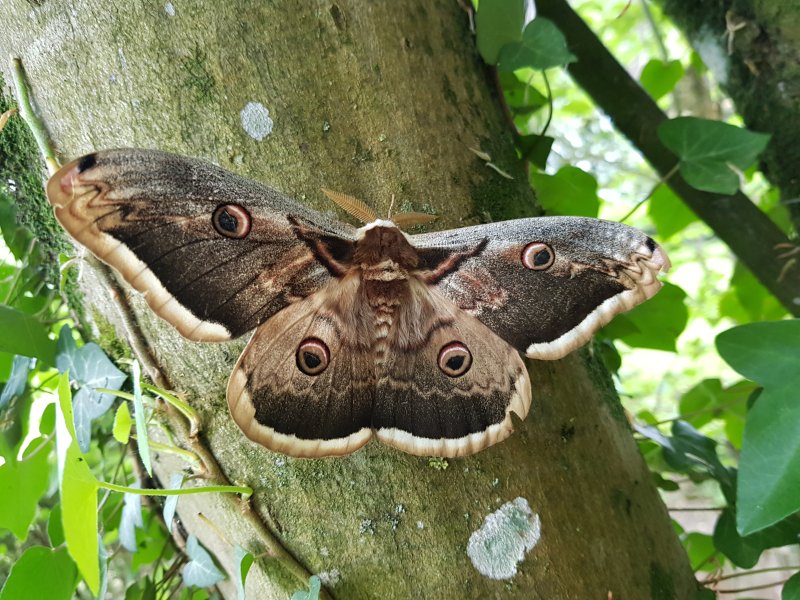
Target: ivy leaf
x,y
791,589
171,502
497,23
542,47
122,423
669,214
130,520
656,324
536,148
78,492
200,571
521,97
141,424
570,191
17,380
55,527
314,587
243,560
707,149
90,368
22,484
748,300
744,551
23,334
40,573
769,469
659,77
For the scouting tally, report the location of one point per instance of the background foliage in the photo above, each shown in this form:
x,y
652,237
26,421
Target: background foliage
x,y
707,369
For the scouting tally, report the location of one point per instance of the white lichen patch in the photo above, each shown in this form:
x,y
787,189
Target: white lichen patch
x,y
256,120
169,8
330,578
504,538
711,48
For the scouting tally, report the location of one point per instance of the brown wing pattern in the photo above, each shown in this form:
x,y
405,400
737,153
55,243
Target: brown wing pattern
x,y
150,215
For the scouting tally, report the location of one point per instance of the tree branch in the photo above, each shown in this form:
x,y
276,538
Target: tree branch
x,y
749,233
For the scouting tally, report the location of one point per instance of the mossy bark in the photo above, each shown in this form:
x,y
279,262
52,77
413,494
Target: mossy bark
x,y
373,99
751,46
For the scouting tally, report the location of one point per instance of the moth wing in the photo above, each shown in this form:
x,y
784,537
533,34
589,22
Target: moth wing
x,y
150,214
599,269
279,406
422,409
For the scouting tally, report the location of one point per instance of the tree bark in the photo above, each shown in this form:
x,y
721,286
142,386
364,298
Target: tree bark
x,y
373,99
751,47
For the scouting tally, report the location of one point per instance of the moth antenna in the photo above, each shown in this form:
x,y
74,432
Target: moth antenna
x,y
352,206
409,219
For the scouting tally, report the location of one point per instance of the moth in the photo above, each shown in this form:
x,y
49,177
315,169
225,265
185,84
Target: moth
x,y
358,331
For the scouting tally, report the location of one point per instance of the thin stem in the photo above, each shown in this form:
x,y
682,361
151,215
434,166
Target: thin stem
x,y
661,181
750,572
26,111
224,489
179,404
187,454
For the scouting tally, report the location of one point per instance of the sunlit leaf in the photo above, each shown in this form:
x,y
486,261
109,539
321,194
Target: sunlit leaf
x,y
78,492
707,149
55,527
701,551
659,77
41,573
542,46
22,484
25,335
769,471
200,571
243,561
497,23
122,423
655,324
748,300
570,191
669,213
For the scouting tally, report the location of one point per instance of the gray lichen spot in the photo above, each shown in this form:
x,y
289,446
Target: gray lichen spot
x,y
169,8
330,578
256,120
502,541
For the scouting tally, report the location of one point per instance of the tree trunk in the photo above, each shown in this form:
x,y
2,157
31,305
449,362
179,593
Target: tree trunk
x,y
373,99
751,47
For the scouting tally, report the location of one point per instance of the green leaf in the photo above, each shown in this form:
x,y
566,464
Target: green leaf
x,y
700,548
522,98
122,423
791,589
22,484
748,300
55,527
243,560
570,191
497,23
656,324
141,425
707,149
535,148
669,213
150,544
25,335
542,46
314,587
745,551
659,77
144,589
40,573
90,368
769,469
78,492
200,571
171,502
